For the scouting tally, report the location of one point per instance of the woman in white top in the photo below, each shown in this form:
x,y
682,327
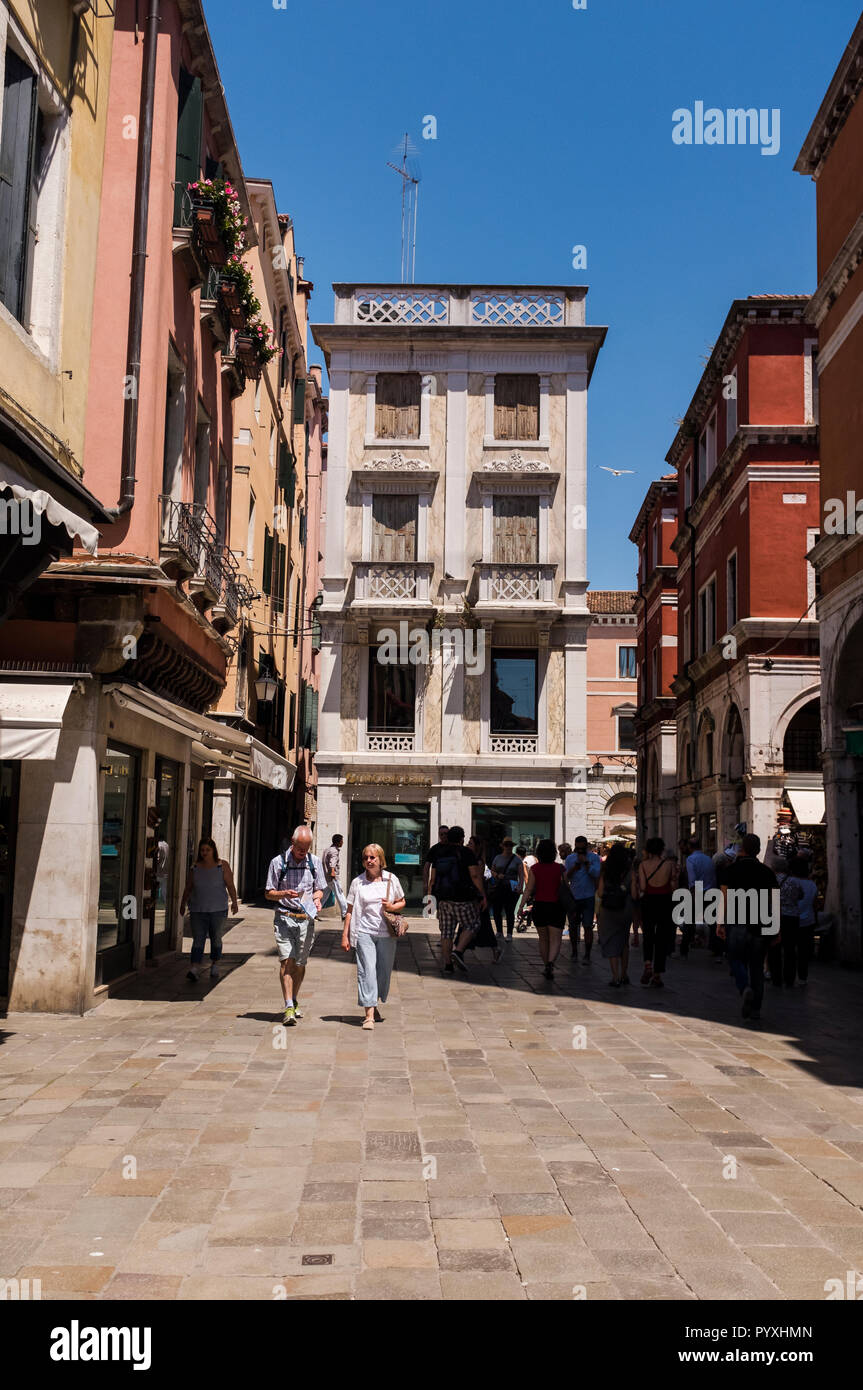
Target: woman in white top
x,y
366,930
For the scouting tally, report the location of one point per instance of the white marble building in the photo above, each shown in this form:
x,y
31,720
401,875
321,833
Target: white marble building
x,y
456,500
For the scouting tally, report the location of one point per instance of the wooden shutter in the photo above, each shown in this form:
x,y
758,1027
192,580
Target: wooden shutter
x,y
17,158
267,577
190,114
394,527
516,530
299,400
516,406
397,405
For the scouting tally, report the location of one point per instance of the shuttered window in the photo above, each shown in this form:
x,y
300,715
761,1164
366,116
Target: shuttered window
x,y
18,149
516,406
299,400
516,530
397,405
190,114
267,576
394,527
310,719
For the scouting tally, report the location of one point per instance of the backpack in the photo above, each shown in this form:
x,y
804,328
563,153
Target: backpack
x,y
614,896
295,908
447,874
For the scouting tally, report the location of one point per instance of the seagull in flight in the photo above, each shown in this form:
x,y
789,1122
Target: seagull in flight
x,y
618,472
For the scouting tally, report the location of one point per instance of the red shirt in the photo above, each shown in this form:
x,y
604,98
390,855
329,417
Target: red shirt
x,y
547,880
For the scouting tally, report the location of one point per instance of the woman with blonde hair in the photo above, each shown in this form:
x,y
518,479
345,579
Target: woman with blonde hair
x,y
207,889
365,928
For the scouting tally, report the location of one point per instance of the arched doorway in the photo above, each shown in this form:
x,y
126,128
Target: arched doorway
x,y
801,747
619,816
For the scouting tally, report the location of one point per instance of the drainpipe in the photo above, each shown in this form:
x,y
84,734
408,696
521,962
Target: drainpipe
x,y
139,262
693,632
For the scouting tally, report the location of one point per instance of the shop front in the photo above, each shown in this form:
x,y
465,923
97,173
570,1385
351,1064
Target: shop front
x,y
402,831
523,824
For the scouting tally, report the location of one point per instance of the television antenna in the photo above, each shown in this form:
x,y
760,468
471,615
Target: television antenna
x,y
410,198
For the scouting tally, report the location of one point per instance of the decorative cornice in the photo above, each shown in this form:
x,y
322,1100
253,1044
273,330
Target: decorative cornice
x,y
742,315
397,463
838,274
516,463
836,107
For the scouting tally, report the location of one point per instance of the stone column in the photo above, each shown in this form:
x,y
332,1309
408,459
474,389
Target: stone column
x,y
57,867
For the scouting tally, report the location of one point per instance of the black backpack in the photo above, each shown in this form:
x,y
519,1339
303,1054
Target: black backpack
x,y
447,873
614,896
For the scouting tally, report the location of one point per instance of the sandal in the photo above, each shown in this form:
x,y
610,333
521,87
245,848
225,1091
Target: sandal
x,y
368,1024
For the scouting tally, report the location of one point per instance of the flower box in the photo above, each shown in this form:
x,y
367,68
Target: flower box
x,y
229,294
246,350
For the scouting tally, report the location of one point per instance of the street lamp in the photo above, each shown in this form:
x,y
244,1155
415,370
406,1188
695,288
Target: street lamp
x,y
266,687
597,771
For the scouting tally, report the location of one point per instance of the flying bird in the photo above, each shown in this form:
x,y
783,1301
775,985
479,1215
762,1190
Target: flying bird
x,y
618,472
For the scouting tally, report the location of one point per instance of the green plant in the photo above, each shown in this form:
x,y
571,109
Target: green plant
x,y
230,223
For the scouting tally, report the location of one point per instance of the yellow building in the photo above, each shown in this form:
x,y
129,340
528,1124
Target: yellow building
x,y
55,60
268,520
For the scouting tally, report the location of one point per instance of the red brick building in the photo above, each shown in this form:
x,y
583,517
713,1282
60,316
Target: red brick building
x,y
747,672
654,533
833,156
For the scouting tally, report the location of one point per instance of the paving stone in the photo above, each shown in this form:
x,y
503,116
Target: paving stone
x,y
595,1174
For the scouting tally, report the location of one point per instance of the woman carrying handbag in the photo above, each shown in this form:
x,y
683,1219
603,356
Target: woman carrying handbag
x,y
372,926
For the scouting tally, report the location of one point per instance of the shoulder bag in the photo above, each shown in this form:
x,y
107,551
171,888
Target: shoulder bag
x,y
396,924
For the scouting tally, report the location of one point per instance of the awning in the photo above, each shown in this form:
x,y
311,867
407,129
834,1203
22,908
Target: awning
x,y
212,743
31,716
808,806
45,504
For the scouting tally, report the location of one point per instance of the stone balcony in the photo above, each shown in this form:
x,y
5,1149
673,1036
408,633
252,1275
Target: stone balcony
x,y
514,589
465,306
392,585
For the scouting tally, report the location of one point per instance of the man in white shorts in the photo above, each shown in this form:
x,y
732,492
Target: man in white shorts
x,y
296,884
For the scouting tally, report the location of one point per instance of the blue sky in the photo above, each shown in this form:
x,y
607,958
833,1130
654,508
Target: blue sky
x,y
553,130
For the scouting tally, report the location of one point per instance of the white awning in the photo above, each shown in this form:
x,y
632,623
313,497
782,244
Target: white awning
x,y
808,805
31,716
212,742
43,503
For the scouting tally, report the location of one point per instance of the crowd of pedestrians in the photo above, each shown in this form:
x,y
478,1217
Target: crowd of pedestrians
x,y
481,896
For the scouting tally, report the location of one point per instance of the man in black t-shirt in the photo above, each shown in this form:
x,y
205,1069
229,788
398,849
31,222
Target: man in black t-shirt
x,y
749,907
432,856
455,883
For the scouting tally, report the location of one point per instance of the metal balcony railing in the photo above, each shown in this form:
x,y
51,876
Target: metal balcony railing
x,y
181,534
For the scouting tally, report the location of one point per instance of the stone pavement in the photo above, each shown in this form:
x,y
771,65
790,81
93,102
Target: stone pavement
x,y
496,1137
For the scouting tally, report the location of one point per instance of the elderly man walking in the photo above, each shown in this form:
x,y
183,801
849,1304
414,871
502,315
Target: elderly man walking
x,y
296,884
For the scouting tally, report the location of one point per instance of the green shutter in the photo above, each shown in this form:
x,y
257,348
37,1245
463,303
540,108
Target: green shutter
x,y
190,115
17,149
267,579
313,728
299,400
282,571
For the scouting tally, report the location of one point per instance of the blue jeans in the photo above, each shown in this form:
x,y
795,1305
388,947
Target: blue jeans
x,y
582,912
375,956
746,958
204,924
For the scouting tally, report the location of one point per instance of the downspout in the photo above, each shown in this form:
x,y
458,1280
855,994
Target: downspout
x,y
693,631
139,264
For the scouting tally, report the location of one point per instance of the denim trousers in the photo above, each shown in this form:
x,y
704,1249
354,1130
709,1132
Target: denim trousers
x,y
375,956
204,924
581,914
746,958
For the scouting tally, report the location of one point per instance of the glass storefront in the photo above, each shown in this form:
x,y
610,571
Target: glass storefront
x,y
9,780
403,834
168,788
117,911
526,825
